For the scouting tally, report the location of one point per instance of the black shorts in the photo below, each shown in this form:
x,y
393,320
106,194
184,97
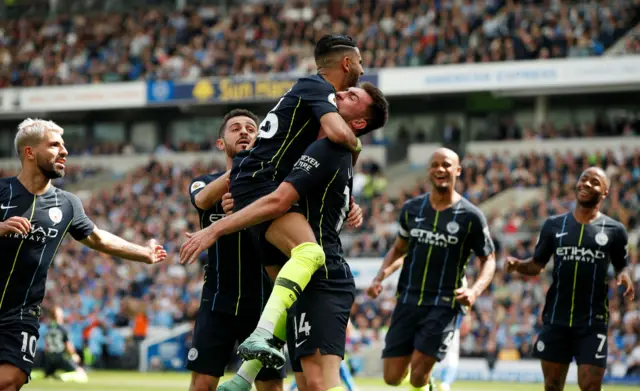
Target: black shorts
x,y
214,338
429,330
245,192
58,361
318,320
561,344
18,340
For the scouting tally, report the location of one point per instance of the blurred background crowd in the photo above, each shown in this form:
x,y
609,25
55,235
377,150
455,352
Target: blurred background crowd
x,y
103,45
99,42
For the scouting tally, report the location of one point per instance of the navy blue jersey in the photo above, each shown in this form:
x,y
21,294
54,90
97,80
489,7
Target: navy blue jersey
x,y
582,254
287,130
234,274
55,341
27,258
440,245
323,177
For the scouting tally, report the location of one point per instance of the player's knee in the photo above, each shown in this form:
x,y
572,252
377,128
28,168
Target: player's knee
x,y
589,384
311,253
200,382
10,382
315,383
393,377
553,385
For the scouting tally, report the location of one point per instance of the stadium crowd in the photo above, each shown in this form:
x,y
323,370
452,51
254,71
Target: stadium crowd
x,y
264,37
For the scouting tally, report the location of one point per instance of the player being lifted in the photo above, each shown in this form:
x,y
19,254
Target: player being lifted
x,y
438,231
576,313
287,130
34,218
321,183
236,286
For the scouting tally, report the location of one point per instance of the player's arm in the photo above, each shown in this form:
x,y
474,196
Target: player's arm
x,y
541,255
620,262
108,243
339,132
210,194
484,249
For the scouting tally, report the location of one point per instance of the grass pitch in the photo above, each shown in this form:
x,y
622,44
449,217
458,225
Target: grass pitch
x,y
134,381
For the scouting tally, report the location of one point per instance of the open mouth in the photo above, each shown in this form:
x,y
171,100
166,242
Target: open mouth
x,y
244,143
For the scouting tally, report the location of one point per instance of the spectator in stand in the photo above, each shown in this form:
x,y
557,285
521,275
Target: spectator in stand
x,y
259,37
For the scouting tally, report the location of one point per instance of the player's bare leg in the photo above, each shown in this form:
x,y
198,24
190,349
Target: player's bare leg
x,y
301,382
293,236
421,367
396,369
555,375
202,382
590,377
322,372
11,378
269,385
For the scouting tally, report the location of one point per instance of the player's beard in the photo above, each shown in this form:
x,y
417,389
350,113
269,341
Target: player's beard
x,y
590,203
48,168
352,78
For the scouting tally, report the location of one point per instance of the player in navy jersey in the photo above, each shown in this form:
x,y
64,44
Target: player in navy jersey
x,y
320,183
290,233
34,218
236,285
437,233
575,318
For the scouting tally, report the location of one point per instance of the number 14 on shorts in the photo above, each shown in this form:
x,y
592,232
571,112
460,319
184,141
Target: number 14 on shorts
x,y
301,326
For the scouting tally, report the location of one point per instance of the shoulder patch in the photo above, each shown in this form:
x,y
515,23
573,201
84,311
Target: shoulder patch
x,y
332,99
197,185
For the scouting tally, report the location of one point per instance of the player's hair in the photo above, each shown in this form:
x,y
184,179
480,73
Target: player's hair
x,y
329,45
236,113
32,131
378,110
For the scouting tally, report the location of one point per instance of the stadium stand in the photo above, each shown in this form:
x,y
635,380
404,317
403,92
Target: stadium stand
x,y
202,41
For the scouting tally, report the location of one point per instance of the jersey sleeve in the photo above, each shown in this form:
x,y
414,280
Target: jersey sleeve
x,y
318,94
403,222
196,187
620,249
544,247
315,168
481,244
81,226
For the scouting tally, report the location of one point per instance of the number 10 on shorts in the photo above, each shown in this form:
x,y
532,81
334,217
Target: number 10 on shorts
x,y
305,327
29,342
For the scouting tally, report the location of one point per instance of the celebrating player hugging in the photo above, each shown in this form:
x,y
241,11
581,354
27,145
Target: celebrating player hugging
x,y
287,130
576,314
34,218
438,231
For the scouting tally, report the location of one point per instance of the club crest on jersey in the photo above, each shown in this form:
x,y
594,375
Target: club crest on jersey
x,y
332,99
55,214
453,227
602,238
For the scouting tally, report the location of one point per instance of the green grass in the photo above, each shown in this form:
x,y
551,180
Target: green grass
x,y
134,381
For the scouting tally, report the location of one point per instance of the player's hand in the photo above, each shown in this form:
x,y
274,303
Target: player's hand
x,y
624,279
156,252
75,358
355,217
374,289
511,264
466,296
227,203
15,225
196,244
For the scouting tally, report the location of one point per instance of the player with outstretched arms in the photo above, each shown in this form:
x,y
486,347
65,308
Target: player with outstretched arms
x,y
236,285
287,130
34,218
438,231
320,183
583,243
